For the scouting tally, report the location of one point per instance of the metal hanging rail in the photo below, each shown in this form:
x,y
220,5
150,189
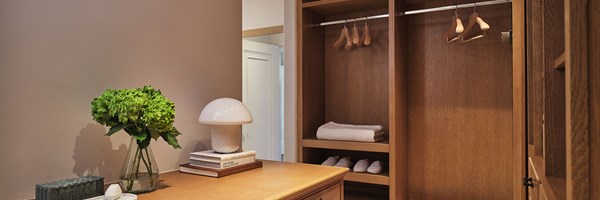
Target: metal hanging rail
x,y
412,12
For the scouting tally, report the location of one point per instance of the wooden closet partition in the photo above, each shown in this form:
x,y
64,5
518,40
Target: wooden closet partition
x,y
459,108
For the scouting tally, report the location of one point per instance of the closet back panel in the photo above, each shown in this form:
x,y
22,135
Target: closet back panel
x,y
356,80
313,77
459,108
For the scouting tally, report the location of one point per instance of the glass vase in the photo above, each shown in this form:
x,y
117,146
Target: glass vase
x,y
140,172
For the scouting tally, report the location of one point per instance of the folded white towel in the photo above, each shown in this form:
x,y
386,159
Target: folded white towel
x,y
360,133
375,128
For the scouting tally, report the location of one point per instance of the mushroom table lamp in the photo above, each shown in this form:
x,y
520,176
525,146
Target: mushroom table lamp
x,y
226,115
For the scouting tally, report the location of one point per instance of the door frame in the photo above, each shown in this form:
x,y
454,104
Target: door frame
x,y
519,101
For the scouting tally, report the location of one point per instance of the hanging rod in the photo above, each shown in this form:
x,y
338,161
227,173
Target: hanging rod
x,y
412,12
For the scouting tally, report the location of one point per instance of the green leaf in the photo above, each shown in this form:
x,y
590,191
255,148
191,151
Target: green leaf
x,y
139,135
170,139
154,134
144,143
117,128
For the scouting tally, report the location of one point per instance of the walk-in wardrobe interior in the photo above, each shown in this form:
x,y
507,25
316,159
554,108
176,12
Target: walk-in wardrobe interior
x,y
447,108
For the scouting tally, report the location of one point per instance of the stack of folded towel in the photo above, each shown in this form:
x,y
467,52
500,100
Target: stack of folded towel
x,y
348,132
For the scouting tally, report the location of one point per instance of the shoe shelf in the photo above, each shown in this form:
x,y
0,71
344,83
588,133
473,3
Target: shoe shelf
x,y
381,147
380,179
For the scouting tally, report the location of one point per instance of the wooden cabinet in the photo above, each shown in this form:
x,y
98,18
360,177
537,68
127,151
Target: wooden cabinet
x,y
353,86
447,108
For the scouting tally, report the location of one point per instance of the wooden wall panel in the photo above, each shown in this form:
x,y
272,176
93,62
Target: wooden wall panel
x,y
554,88
577,101
356,83
594,91
537,91
398,101
529,69
311,78
460,109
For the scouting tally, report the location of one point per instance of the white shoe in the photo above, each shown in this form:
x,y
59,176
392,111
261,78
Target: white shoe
x,y
331,161
361,165
344,162
376,167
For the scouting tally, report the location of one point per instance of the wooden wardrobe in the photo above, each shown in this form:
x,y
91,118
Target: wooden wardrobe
x,y
455,113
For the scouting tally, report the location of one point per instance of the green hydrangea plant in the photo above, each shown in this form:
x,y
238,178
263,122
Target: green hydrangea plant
x,y
144,113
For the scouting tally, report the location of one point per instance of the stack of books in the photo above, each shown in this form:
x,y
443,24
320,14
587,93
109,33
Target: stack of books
x,y
211,163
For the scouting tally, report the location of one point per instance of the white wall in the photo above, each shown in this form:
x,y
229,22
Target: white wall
x,y
262,13
56,56
289,31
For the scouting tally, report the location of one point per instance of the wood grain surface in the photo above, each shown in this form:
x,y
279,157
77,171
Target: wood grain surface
x,y
460,109
356,80
311,79
594,92
275,180
398,103
519,100
535,78
577,100
554,88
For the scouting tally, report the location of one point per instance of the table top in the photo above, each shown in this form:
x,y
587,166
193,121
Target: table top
x,y
274,180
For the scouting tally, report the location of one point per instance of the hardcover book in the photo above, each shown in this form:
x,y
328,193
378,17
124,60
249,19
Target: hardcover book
x,y
221,165
220,157
187,168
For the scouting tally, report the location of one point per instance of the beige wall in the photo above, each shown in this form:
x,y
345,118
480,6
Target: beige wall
x,y
56,56
262,13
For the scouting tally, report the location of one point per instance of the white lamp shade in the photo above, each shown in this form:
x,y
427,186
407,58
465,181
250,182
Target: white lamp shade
x,y
225,111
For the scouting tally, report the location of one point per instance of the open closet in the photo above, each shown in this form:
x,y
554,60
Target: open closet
x,y
443,93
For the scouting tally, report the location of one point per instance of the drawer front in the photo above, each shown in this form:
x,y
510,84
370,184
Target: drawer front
x,y
333,192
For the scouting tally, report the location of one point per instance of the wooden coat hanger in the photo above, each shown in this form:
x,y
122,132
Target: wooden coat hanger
x,y
456,29
355,36
366,37
473,19
344,35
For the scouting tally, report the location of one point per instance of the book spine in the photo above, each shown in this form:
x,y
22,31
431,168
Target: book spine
x,y
222,165
239,169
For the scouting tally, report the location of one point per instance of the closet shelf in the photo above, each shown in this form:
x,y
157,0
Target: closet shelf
x,y
382,146
380,179
333,7
559,63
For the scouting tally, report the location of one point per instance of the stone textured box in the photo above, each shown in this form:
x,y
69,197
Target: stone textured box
x,y
76,188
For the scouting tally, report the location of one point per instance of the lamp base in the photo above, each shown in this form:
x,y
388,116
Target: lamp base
x,y
226,138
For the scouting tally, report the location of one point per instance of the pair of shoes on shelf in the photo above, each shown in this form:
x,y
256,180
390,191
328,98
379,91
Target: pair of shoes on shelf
x,y
336,161
363,166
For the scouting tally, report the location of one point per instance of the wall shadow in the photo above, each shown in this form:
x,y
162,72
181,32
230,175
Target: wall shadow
x,y
94,155
192,146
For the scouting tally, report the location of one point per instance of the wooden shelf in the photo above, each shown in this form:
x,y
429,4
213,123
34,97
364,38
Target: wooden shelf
x,y
382,147
333,7
380,179
559,63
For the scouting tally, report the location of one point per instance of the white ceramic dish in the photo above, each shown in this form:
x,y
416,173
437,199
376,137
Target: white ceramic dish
x,y
126,196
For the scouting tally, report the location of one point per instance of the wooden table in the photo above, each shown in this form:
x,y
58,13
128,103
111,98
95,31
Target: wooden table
x,y
275,180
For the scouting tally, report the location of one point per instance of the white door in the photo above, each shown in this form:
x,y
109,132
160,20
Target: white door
x,y
261,92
